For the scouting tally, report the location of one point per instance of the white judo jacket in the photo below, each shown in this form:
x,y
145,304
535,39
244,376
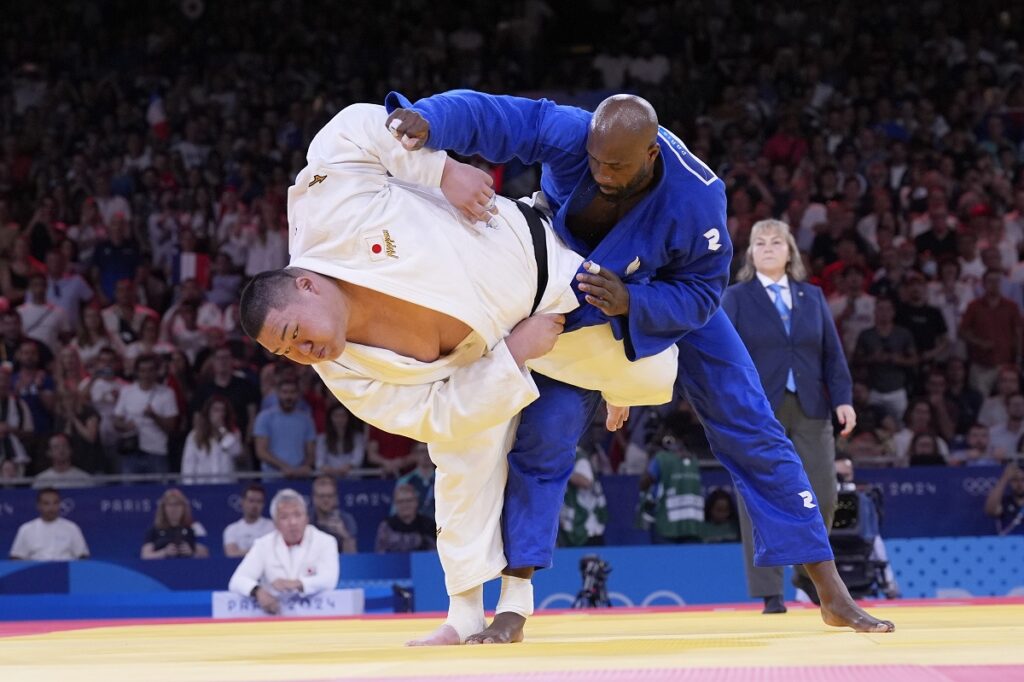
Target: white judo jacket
x,y
367,211
313,562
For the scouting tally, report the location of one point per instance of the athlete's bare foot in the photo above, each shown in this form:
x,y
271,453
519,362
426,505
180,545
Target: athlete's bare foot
x,y
443,636
506,628
837,606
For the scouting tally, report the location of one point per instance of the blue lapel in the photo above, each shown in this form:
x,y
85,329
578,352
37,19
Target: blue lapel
x,y
801,313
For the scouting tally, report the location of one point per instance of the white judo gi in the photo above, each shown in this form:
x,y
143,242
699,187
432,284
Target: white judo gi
x,y
367,211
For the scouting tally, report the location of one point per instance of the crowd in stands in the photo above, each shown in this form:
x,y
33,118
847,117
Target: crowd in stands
x,y
146,157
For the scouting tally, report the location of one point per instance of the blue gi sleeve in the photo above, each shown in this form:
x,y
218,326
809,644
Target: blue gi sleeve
x,y
833,362
501,127
686,291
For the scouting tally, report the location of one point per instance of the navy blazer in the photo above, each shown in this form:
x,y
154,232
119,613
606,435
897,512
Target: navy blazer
x,y
813,350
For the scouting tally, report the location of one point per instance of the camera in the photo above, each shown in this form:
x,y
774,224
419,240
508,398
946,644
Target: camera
x,y
594,593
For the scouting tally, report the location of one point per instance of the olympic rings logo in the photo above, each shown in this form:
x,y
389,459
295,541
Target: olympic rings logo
x,y
978,487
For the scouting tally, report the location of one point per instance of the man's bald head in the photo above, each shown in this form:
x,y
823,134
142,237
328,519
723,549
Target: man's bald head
x,y
622,144
625,116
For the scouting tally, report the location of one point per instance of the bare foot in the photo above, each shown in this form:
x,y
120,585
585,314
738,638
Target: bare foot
x,y
837,606
846,613
443,636
507,627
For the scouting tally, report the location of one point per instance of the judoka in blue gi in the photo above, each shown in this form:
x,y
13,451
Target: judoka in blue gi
x,y
650,217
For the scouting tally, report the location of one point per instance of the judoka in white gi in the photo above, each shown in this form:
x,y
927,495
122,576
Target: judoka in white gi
x,y
296,558
419,326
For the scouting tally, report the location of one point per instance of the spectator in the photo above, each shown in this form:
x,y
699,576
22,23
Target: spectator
x,y
991,326
1005,502
993,410
924,451
924,322
102,389
16,270
678,502
392,453
950,296
228,383
721,522
421,479
93,337
406,530
41,320
207,314
144,416
240,535
1005,437
174,533
330,518
67,290
124,319
61,473
49,537
342,446
313,565
15,424
888,354
967,399
585,510
977,449
852,308
115,259
284,436
212,446
919,418
267,246
35,386
944,408
148,343
8,472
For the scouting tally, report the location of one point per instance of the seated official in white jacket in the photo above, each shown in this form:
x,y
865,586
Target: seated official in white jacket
x,y
295,559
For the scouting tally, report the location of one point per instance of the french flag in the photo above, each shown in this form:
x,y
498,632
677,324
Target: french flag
x,y
192,265
156,117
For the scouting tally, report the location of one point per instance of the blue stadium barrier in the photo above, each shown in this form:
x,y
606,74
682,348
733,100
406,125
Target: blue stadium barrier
x,y
919,502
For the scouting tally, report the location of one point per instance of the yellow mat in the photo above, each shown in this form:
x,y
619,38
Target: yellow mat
x,y
340,649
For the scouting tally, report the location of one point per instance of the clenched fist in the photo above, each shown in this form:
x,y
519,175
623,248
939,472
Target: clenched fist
x,y
534,336
409,127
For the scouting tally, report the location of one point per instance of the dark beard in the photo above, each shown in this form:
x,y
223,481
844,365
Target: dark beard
x,y
637,185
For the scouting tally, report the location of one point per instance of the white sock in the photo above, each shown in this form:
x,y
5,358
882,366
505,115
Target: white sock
x,y
466,612
516,596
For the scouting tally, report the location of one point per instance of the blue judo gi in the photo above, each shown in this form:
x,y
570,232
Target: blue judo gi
x,y
673,252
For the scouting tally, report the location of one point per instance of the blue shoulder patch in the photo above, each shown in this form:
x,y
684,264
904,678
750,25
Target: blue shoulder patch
x,y
677,150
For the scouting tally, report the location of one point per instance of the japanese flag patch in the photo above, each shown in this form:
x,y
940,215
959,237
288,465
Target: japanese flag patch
x,y
381,246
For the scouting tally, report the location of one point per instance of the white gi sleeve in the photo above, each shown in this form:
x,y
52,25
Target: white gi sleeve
x,y
356,140
250,571
479,396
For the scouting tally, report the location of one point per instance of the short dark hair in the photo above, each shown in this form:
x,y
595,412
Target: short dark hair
x,y
263,293
47,491
255,488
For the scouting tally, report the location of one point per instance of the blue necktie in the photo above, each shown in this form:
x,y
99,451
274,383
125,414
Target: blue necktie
x,y
787,322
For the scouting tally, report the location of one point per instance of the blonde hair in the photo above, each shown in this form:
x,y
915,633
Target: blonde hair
x,y
794,264
162,522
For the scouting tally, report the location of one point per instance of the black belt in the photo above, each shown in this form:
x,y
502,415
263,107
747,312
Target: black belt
x,y
540,249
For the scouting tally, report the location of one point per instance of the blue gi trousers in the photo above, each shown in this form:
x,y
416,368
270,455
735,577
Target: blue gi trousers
x,y
718,378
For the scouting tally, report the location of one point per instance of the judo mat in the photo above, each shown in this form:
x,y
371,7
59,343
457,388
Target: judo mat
x,y
962,641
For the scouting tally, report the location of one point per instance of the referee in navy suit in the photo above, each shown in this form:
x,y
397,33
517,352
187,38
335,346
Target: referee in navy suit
x,y
788,329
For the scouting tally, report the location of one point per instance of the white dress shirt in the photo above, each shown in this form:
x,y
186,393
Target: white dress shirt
x,y
787,293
